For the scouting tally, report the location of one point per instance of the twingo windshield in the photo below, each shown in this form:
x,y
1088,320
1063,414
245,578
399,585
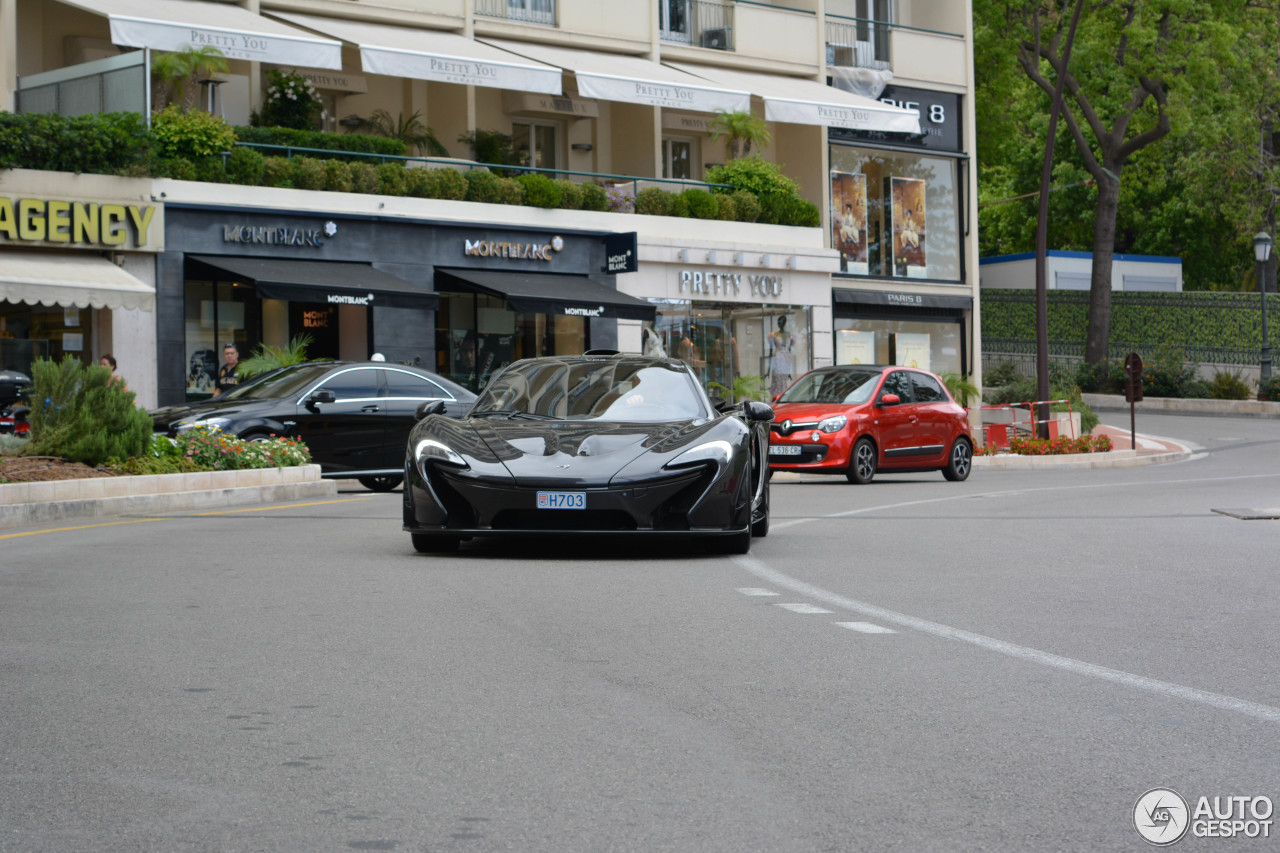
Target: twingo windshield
x,y
614,389
279,384
833,386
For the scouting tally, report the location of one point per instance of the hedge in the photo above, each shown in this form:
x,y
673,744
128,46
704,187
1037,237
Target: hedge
x,y
1190,320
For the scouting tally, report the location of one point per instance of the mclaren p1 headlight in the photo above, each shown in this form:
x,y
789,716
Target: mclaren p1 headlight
x,y
429,448
712,451
835,423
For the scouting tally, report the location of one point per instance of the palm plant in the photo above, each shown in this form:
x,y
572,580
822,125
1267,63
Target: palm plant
x,y
746,387
410,130
741,130
267,357
177,72
961,388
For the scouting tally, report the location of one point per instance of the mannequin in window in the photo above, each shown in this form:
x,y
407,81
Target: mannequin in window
x,y
779,354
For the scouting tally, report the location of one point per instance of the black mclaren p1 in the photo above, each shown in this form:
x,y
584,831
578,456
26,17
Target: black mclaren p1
x,y
598,443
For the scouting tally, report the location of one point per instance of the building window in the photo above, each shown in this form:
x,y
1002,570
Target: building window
x,y
723,342
535,144
678,156
895,215
928,343
217,313
675,20
29,332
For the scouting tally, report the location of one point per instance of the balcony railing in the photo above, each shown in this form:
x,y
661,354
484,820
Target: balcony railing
x,y
525,11
857,43
705,23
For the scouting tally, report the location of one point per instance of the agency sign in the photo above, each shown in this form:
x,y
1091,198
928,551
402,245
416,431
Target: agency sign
x,y
80,224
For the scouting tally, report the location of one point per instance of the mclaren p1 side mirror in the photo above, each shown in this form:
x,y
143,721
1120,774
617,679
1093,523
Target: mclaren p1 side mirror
x,y
757,411
889,400
429,407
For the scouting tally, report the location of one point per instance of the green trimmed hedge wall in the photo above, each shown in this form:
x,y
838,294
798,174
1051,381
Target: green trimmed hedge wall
x,y
1195,321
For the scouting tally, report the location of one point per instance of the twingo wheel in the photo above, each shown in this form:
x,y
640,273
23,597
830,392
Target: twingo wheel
x,y
862,462
960,461
381,484
760,525
428,543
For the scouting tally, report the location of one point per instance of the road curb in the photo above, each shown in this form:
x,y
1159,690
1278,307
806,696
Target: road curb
x,y
1109,459
21,505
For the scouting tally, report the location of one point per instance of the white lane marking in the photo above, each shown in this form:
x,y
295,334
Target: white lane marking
x,y
755,590
802,608
866,628
902,620
779,525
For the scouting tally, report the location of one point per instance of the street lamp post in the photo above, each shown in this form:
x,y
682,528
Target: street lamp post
x,y
1262,252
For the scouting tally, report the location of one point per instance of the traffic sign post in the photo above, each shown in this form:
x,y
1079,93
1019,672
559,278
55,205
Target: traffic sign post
x,y
1133,392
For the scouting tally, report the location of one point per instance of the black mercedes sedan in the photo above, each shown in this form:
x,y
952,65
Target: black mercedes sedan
x,y
354,417
598,443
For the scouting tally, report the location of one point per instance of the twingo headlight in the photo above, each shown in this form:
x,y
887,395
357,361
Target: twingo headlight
x,y
835,423
206,423
429,448
712,451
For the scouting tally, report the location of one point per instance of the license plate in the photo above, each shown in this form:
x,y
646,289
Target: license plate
x,y
562,500
784,450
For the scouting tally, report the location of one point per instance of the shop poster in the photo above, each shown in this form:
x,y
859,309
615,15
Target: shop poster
x,y
912,349
907,225
854,347
849,220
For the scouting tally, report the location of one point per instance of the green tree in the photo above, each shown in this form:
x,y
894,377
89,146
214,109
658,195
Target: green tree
x,y
1138,70
740,130
266,357
176,75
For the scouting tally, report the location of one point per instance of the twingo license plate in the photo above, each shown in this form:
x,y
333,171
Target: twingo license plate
x,y
784,450
562,500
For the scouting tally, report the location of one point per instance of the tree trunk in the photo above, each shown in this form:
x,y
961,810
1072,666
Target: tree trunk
x,y
1104,249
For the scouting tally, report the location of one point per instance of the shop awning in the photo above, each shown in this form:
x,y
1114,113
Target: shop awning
x,y
547,293
331,282
799,101
433,55
68,278
237,32
895,299
634,80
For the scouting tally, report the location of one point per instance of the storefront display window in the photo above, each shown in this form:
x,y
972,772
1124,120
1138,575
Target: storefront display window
x,y
930,345
216,313
29,332
895,214
477,335
726,343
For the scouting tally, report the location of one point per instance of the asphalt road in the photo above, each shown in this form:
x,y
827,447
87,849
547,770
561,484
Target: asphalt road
x,y
1005,664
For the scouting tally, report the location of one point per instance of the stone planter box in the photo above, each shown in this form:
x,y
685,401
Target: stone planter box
x,y
54,500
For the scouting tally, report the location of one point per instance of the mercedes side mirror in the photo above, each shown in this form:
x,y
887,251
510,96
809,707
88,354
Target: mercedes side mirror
x,y
429,407
757,411
322,395
889,400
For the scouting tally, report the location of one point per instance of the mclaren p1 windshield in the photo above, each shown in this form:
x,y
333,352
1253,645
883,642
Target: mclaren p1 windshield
x,y
609,390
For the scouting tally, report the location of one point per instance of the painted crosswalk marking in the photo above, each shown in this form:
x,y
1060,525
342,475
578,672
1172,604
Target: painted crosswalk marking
x,y
802,608
755,590
866,628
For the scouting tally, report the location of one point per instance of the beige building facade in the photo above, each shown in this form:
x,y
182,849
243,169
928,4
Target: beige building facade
x,y
869,104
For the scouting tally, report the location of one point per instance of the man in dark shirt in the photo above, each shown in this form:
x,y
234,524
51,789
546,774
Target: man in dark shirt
x,y
228,374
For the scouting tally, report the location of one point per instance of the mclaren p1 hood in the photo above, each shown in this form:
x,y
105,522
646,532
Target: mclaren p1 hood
x,y
580,452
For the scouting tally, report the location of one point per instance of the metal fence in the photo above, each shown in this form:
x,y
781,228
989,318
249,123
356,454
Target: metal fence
x,y
526,11
706,23
857,43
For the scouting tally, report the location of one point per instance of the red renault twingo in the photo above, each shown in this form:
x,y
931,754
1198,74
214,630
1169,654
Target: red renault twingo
x,y
859,419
